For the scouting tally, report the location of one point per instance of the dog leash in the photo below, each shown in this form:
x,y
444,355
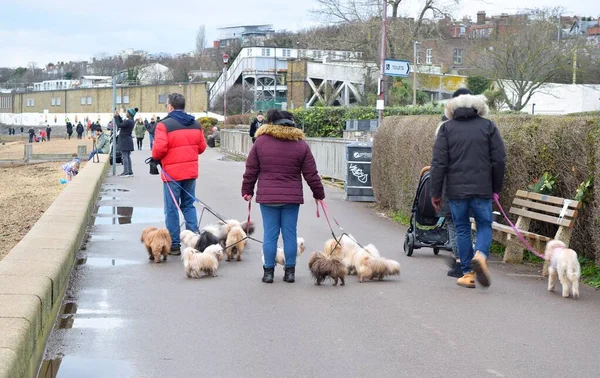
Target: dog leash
x,y
344,233
519,235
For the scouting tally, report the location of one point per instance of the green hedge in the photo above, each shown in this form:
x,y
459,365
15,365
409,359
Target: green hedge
x,y
565,146
331,121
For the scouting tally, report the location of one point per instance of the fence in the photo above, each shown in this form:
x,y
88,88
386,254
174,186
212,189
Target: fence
x,y
329,153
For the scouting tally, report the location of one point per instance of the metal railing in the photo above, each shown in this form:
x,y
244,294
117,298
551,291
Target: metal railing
x,y
329,153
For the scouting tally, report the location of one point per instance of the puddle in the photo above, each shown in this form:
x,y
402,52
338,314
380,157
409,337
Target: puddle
x,y
76,367
101,237
113,190
106,262
128,215
109,198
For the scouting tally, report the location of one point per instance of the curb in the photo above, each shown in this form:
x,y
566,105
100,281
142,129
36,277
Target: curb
x,y
35,274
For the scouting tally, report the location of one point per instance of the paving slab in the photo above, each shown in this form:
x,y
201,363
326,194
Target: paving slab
x,y
142,319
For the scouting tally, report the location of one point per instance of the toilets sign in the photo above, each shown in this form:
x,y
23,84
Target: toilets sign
x,y
396,68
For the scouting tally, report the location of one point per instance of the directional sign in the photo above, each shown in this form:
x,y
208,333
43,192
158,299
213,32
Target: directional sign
x,y
396,68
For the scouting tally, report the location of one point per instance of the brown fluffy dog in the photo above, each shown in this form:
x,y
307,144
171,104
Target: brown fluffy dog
x,y
157,242
322,266
235,243
373,267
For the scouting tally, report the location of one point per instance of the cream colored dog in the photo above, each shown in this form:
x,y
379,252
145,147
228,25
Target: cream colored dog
x,y
280,256
562,262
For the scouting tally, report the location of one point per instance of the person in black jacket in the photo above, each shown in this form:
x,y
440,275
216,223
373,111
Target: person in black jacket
x,y
48,131
69,129
31,134
469,156
151,128
256,124
125,139
79,129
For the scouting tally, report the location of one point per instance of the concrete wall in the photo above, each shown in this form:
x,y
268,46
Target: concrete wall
x,y
35,274
564,99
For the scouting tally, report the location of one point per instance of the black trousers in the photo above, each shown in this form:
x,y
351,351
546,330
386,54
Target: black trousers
x,y
139,143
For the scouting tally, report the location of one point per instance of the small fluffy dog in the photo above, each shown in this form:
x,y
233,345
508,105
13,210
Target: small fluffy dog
x,y
207,262
157,242
280,257
372,267
347,249
198,241
562,262
235,243
322,266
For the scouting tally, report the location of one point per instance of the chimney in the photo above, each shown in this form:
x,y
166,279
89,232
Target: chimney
x,y
481,18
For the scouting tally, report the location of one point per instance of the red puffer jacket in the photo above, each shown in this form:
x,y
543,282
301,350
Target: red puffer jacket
x,y
278,160
178,140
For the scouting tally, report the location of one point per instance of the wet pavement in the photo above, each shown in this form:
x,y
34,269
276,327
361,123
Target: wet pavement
x,y
124,316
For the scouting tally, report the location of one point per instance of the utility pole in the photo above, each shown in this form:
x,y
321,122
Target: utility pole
x,y
114,130
382,62
575,66
416,44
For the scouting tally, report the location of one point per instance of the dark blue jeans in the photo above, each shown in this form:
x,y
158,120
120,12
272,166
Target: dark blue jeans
x,y
151,140
482,212
186,203
278,219
94,153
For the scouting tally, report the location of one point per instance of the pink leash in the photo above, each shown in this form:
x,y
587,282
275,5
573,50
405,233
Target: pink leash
x,y
519,235
325,208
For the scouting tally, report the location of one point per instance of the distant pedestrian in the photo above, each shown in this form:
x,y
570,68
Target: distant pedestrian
x,y
48,131
469,156
179,141
125,139
79,129
140,132
256,124
69,130
22,129
43,135
151,127
31,134
278,161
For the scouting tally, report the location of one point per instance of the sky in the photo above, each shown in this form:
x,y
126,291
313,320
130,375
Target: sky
x,y
43,31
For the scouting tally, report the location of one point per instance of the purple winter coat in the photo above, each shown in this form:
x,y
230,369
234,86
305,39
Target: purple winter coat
x,y
278,160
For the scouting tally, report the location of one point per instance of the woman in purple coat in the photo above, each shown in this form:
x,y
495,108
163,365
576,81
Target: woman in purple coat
x,y
278,160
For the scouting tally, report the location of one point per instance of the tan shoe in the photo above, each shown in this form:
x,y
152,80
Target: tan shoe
x,y
468,280
479,265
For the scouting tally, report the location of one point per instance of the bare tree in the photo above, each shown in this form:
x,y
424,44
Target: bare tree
x,y
524,58
201,41
236,97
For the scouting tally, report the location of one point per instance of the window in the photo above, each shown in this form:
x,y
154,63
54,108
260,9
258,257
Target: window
x,y
119,100
162,99
287,53
125,99
83,101
428,56
29,102
58,101
458,56
53,101
462,30
249,52
89,101
266,52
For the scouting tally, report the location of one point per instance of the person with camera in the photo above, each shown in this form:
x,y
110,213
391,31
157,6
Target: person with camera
x,y
125,139
178,140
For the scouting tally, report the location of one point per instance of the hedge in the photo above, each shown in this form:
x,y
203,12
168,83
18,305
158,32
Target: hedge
x,y
565,146
331,121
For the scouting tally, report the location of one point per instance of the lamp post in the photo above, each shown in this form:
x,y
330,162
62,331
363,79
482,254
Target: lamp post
x,y
416,44
225,61
382,71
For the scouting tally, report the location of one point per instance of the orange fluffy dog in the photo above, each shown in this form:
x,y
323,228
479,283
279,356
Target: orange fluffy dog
x,y
235,242
157,242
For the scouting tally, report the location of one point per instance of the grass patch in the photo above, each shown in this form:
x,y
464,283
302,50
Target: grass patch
x,y
396,215
497,249
590,273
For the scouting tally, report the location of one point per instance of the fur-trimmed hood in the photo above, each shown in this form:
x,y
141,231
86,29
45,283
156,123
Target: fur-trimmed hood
x,y
281,132
466,106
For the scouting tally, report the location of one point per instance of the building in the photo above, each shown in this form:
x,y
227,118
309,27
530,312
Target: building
x,y
243,34
53,106
154,73
124,54
95,81
52,85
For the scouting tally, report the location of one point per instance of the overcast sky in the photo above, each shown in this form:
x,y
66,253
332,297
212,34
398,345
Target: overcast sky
x,y
48,31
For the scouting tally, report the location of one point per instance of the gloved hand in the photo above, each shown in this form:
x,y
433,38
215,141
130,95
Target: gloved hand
x,y
247,197
437,203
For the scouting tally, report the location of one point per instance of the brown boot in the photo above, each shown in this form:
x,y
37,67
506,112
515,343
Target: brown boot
x,y
479,265
468,280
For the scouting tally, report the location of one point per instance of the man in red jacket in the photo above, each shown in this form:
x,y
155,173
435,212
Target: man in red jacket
x,y
178,140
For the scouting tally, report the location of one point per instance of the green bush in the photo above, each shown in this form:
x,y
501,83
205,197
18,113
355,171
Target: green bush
x,y
331,121
564,146
478,84
207,123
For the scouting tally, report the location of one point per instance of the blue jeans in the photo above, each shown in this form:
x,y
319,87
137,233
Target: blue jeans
x,y
126,162
186,203
275,219
452,237
93,153
151,140
482,212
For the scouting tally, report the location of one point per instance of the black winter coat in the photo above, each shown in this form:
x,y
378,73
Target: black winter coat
x,y
468,152
125,142
255,125
79,128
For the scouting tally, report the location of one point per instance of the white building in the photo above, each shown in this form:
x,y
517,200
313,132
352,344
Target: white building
x,y
53,85
95,81
558,99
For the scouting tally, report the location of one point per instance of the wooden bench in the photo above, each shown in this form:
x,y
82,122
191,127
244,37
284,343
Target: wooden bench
x,y
530,206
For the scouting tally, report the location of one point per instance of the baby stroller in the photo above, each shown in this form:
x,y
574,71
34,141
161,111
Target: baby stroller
x,y
426,229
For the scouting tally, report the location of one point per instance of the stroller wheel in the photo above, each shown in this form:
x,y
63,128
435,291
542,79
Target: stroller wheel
x,y
409,242
436,251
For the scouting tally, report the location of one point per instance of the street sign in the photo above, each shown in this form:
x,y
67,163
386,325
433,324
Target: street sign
x,y
396,68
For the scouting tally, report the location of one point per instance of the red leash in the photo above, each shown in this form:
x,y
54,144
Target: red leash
x,y
249,212
519,235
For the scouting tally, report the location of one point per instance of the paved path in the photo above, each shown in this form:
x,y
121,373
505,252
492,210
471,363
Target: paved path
x,y
132,318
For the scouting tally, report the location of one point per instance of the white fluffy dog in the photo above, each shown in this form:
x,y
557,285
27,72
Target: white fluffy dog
x,y
562,262
280,257
352,252
207,262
